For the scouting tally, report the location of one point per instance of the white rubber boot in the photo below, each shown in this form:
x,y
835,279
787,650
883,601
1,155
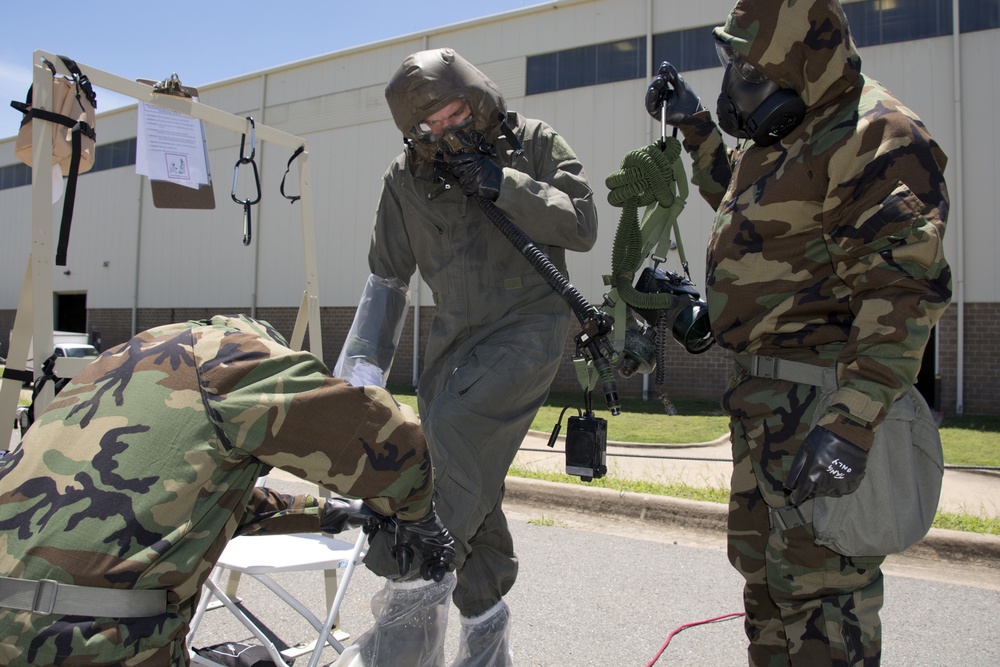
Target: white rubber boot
x,y
410,622
485,639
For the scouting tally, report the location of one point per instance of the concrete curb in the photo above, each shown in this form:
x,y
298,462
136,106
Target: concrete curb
x,y
608,502
945,545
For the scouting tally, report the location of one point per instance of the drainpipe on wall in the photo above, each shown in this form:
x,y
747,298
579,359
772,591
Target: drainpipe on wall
x,y
138,259
653,136
956,213
257,218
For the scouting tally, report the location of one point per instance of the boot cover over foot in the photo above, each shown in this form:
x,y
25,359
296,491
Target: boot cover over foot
x,y
485,639
410,622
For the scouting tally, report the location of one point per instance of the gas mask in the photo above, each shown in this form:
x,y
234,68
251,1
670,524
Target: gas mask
x,y
448,129
751,106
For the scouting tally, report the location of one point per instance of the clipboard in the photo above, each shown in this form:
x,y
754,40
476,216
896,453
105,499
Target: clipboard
x,y
172,195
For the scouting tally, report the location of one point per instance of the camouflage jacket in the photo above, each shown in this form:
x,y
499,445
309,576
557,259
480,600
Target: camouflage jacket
x,y
827,246
137,475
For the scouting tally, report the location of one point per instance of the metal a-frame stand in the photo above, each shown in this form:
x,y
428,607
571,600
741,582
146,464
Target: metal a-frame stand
x,y
34,318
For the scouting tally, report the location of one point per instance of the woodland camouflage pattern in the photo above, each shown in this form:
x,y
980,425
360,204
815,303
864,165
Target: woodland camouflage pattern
x,y
138,473
852,205
826,249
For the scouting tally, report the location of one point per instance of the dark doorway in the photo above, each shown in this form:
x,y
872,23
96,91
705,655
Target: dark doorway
x,y
71,312
927,379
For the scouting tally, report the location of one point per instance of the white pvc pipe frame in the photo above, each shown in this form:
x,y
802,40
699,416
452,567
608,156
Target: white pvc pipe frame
x,y
40,262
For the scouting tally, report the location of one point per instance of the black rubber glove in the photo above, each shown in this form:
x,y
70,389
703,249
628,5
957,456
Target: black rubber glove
x,y
431,539
826,465
476,172
668,89
340,514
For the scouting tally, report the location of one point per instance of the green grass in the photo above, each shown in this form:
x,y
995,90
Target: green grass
x,y
547,521
642,421
971,440
969,523
967,440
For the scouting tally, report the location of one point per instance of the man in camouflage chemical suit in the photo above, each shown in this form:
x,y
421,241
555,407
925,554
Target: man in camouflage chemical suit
x,y
120,499
499,329
826,253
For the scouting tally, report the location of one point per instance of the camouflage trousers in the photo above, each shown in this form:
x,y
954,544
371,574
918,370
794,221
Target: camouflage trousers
x,y
805,604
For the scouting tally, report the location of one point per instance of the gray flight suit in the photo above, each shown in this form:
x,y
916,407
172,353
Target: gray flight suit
x,y
498,333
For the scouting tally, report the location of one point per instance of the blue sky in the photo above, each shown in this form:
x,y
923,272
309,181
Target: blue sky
x,y
207,41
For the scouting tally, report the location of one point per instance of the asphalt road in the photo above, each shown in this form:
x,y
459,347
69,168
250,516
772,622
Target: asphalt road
x,y
599,591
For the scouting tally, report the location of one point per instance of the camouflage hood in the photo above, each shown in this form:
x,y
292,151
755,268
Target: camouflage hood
x,y
427,81
804,45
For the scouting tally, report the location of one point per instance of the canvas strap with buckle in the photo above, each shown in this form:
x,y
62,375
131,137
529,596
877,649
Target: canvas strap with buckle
x,y
775,368
46,596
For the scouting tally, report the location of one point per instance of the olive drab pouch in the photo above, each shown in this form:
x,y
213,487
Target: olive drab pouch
x,y
895,504
74,137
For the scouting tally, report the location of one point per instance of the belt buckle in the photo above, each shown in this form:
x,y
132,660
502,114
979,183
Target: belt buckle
x,y
45,597
787,517
765,367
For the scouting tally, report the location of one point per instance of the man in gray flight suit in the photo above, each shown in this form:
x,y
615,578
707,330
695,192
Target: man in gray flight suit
x,y
498,333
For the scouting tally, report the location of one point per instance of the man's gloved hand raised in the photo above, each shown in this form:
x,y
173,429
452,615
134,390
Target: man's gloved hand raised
x,y
825,465
669,91
431,539
476,172
340,514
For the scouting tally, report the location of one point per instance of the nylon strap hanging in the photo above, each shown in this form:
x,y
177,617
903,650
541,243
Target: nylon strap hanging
x,y
291,198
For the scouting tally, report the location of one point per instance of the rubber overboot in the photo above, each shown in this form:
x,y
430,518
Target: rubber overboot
x,y
410,622
485,639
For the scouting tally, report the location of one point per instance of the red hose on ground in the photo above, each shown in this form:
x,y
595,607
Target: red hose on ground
x,y
690,625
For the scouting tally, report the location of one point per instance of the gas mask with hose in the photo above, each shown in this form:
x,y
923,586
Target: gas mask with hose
x,y
659,304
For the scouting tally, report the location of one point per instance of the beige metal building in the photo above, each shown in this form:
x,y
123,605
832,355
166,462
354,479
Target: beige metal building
x,y
581,65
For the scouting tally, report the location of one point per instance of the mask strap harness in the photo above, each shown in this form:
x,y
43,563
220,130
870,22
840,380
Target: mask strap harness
x,y
291,198
244,159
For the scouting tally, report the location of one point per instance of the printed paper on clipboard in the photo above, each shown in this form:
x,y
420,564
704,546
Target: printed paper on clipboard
x,y
171,150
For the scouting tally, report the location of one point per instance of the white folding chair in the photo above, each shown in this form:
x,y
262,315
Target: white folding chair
x,y
263,555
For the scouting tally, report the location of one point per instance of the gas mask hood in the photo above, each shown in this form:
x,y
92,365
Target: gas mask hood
x,y
428,81
754,107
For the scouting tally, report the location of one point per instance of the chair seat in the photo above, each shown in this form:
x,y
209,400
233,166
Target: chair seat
x,y
266,554
260,556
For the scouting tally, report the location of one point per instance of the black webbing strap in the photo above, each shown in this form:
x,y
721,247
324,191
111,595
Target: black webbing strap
x,y
82,85
21,376
67,214
291,198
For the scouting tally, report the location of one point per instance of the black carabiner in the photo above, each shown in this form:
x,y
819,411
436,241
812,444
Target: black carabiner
x,y
253,140
247,203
